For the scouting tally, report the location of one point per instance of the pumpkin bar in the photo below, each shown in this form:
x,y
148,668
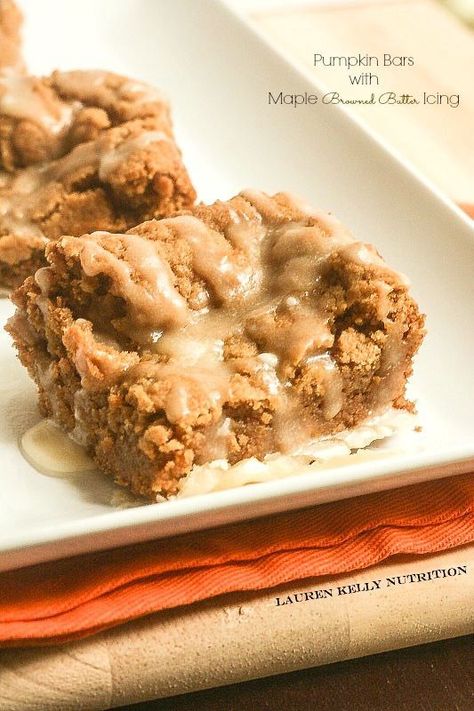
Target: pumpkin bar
x,y
43,118
242,329
81,151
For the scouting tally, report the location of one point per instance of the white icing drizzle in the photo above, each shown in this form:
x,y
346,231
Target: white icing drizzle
x,y
53,453
367,255
265,281
25,97
112,159
85,83
187,392
343,449
141,277
214,259
141,93
22,192
331,380
49,450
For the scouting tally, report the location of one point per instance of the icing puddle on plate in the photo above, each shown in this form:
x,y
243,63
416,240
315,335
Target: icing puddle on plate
x,y
53,453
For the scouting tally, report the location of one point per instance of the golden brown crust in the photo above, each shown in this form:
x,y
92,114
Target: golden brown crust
x,y
112,164
13,274
124,397
45,117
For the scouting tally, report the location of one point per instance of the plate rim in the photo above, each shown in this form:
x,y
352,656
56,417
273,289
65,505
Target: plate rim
x,y
266,498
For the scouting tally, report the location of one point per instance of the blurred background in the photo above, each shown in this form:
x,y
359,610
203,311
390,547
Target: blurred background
x,y
437,138
463,8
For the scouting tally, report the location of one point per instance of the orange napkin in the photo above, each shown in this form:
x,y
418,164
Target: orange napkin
x,y
79,596
468,207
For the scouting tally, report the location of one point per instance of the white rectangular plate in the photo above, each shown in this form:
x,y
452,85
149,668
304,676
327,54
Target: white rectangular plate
x,y
217,71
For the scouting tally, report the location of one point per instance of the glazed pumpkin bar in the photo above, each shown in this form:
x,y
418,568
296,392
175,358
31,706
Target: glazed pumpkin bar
x,y
44,118
236,330
81,151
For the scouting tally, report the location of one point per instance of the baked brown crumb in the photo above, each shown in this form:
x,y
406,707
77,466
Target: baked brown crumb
x,y
233,330
81,151
43,118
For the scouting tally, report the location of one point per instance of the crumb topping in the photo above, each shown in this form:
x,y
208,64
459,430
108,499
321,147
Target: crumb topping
x,y
81,151
42,119
216,310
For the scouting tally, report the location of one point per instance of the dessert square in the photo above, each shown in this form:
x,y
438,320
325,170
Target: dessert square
x,y
81,151
243,329
44,118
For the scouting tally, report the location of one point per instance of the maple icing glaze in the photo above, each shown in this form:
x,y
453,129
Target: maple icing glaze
x,y
111,159
22,193
27,98
53,105
50,450
141,277
97,86
30,98
262,280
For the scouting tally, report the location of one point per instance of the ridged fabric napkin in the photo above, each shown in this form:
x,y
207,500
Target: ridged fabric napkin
x,y
79,596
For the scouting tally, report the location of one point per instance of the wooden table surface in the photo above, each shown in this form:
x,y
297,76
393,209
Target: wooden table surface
x,y
438,676
432,677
